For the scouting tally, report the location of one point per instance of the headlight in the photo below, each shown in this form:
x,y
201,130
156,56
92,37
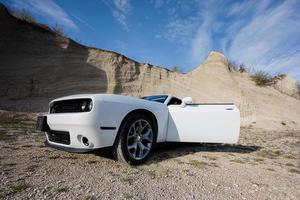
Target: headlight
x,y
71,106
87,105
83,106
90,105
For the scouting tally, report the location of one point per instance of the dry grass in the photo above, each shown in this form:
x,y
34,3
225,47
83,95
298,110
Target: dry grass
x,y
23,15
271,169
86,198
233,66
151,173
199,164
242,69
290,164
61,189
127,180
258,159
178,161
92,161
296,171
19,186
126,195
58,30
289,156
54,157
210,157
213,164
237,161
202,164
9,164
262,78
268,153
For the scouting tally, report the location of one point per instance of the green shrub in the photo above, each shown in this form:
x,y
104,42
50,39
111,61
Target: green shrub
x,y
61,189
175,68
19,186
262,78
242,69
233,66
278,77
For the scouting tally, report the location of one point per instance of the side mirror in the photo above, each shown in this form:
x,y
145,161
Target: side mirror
x,y
186,101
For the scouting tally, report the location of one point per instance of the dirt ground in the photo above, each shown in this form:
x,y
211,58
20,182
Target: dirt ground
x,y
264,165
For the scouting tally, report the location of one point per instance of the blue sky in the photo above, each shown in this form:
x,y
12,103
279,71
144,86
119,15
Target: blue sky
x,y
262,34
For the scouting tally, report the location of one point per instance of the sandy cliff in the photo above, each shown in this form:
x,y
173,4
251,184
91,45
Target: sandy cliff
x,y
38,65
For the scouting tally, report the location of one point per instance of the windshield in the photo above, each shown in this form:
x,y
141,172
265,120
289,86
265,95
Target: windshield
x,y
157,98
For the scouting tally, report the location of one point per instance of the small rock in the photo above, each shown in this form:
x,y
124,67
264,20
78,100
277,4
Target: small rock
x,y
77,186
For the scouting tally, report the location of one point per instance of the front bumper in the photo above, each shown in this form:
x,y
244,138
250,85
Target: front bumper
x,y
68,149
75,132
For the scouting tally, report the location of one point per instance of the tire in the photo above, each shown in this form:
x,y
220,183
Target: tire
x,y
135,139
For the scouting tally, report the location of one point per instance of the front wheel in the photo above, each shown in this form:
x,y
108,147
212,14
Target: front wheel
x,y
135,140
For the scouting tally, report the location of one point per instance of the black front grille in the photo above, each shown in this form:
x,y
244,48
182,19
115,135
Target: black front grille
x,y
70,106
62,137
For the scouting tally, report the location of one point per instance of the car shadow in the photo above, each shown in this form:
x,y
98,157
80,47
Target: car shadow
x,y
166,151
105,152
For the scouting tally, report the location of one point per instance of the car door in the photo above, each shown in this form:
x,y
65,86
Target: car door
x,y
209,123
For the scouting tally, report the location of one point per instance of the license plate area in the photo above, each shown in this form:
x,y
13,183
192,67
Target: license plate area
x,y
41,123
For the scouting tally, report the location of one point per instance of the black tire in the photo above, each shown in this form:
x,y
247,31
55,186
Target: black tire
x,y
120,148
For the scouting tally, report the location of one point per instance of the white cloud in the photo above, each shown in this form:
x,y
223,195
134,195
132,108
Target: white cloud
x,y
239,8
268,41
178,30
122,5
202,43
120,10
158,3
48,9
84,22
262,35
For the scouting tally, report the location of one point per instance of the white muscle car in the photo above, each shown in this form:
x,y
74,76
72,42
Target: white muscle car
x,y
132,126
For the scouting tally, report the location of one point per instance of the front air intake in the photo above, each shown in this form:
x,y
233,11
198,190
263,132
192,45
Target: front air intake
x,y
62,137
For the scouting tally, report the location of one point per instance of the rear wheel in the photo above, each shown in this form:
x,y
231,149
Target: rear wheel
x,y
135,140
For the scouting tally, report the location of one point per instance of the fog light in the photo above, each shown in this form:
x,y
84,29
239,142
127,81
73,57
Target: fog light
x,y
85,141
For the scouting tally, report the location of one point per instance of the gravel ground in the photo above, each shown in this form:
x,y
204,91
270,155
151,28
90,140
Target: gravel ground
x,y
264,165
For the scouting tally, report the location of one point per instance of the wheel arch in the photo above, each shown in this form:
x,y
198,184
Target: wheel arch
x,y
148,113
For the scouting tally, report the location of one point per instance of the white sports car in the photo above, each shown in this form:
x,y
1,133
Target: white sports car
x,y
132,126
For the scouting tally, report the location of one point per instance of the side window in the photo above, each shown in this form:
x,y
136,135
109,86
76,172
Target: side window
x,y
174,101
